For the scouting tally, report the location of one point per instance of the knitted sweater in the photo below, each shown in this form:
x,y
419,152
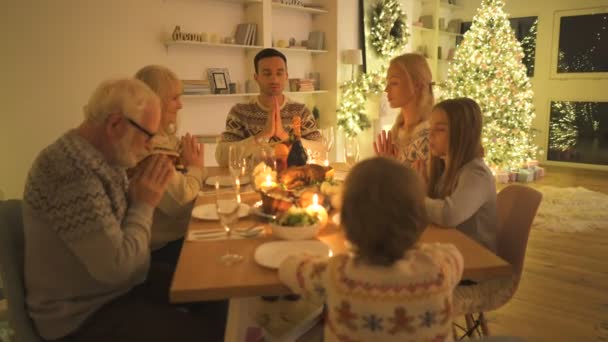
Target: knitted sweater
x,y
412,145
471,208
246,120
408,301
84,244
173,213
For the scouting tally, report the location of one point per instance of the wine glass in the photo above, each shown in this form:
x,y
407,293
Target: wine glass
x,y
327,138
351,150
240,165
235,161
227,203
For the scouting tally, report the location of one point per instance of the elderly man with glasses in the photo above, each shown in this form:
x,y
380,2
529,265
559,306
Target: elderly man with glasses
x,y
87,228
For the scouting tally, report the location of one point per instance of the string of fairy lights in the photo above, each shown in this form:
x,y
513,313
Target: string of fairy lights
x,y
488,68
388,37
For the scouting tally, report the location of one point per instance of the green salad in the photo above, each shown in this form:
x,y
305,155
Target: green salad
x,y
297,217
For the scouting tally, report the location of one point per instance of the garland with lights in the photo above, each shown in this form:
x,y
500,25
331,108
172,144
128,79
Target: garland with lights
x,y
388,36
388,30
352,118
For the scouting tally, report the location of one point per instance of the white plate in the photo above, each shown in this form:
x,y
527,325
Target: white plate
x,y
225,180
209,212
272,254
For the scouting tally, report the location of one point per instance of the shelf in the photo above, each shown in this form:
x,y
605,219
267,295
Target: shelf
x,y
450,6
443,5
422,29
312,10
244,2
446,33
193,96
300,50
195,43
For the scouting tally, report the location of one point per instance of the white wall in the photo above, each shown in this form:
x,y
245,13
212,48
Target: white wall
x,y
545,88
56,52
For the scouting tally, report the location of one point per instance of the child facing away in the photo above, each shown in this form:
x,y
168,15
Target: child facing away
x,y
390,288
461,187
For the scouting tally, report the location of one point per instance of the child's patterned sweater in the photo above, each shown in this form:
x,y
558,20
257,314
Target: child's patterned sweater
x,y
410,300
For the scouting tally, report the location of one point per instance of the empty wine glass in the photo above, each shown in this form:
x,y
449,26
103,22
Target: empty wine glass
x,y
240,165
327,138
351,150
227,202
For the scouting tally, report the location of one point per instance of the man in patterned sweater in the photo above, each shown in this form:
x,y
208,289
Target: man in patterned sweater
x,y
267,118
87,229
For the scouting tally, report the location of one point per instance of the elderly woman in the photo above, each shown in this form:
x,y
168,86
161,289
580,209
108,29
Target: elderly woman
x,y
173,213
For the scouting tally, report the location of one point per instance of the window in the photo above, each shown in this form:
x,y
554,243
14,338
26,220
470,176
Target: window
x,y
578,132
580,44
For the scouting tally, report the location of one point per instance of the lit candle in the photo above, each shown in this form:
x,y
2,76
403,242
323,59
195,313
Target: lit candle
x,y
268,184
326,163
317,210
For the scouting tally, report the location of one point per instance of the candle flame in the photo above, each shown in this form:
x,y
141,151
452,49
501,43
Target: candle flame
x,y
326,162
315,200
268,180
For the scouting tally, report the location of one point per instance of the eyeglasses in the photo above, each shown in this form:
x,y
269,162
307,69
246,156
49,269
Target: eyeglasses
x,y
149,134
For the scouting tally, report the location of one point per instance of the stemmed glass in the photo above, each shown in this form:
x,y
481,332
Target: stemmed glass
x,y
227,202
327,138
239,164
351,150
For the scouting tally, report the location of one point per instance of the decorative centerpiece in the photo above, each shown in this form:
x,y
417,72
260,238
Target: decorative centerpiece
x,y
295,183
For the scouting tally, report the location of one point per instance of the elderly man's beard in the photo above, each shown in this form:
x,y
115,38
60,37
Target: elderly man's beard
x,y
124,152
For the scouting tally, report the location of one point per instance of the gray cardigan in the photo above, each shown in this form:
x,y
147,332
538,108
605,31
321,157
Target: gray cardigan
x,y
471,207
84,244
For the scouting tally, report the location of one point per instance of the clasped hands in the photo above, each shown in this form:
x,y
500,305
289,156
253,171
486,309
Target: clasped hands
x,y
384,146
274,124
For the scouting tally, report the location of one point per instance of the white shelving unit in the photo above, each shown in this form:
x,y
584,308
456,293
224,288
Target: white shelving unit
x,y
435,40
312,10
194,96
275,21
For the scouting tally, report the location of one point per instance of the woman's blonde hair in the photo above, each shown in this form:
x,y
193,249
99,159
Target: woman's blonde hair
x,y
159,78
417,69
464,127
383,210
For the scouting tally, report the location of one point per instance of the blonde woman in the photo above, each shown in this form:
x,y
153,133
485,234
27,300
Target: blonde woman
x,y
172,214
408,87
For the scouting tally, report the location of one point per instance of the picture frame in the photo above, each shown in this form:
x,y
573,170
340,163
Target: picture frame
x,y
219,79
562,45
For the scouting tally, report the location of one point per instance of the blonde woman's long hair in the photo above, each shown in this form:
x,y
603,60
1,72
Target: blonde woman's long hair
x,y
159,78
464,126
417,69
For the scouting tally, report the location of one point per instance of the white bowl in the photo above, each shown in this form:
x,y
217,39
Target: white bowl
x,y
295,232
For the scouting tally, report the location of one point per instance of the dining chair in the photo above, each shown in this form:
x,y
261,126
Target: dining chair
x,y
516,208
11,268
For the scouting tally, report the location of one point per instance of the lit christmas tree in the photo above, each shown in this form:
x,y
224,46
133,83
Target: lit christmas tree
x,y
488,68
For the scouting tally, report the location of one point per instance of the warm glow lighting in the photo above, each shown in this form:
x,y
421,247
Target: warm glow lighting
x,y
268,184
326,162
318,210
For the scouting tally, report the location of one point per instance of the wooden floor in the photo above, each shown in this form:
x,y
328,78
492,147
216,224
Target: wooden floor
x,y
563,295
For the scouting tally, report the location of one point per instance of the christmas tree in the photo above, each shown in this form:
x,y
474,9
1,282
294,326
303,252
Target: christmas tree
x,y
488,68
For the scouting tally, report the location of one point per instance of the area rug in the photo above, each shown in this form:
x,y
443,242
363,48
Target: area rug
x,y
571,210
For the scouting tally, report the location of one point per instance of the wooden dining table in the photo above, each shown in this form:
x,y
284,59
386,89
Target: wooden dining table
x,y
201,276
